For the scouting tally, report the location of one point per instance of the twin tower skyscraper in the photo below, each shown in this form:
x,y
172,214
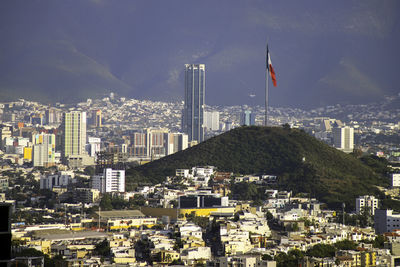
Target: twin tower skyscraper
x,y
193,112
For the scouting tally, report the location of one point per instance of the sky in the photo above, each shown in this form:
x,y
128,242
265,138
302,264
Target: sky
x,y
323,52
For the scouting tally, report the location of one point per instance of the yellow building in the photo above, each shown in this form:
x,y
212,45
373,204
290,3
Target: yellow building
x,y
125,258
168,256
28,153
206,212
191,242
368,258
44,245
124,219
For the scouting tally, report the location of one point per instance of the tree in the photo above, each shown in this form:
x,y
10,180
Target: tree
x,y
379,241
105,203
103,248
295,227
290,259
267,257
31,252
137,201
89,170
345,245
321,251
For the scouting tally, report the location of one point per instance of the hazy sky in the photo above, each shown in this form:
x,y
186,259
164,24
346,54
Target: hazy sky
x,y
323,52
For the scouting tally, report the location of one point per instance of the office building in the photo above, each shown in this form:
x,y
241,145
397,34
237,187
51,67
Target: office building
x,y
211,120
386,221
93,146
247,118
343,138
366,202
44,149
73,134
56,180
193,112
5,131
395,180
156,143
203,201
109,181
85,195
96,117
175,142
53,116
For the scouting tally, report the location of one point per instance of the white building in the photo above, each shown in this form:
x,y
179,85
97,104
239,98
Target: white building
x,y
385,221
93,146
54,180
44,150
190,229
395,181
190,255
343,139
110,181
211,120
369,202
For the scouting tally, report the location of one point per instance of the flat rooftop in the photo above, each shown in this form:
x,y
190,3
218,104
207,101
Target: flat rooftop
x,y
119,214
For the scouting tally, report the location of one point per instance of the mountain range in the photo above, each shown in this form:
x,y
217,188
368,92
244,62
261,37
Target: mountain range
x,y
322,52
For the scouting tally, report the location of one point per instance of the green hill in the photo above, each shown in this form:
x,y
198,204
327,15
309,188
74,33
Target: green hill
x,y
301,162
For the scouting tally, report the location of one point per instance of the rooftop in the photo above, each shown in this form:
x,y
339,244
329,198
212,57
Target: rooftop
x,y
119,214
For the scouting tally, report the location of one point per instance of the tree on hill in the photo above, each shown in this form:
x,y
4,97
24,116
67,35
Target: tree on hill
x,y
345,245
301,162
321,251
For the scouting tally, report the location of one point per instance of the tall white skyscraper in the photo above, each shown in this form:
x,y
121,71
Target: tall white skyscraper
x,y
193,113
343,138
73,133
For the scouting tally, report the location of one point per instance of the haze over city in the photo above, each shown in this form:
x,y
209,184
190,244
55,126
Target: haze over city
x,y
323,52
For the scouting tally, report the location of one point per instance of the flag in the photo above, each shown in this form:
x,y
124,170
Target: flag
x,y
270,69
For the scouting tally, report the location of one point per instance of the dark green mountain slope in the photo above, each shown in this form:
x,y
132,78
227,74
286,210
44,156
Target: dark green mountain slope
x,y
302,163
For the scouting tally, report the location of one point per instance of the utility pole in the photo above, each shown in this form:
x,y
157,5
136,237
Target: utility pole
x,y
343,206
98,227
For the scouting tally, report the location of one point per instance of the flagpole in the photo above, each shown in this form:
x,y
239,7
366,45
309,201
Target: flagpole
x,y
266,88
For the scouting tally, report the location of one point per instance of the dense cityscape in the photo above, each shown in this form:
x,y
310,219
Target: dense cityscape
x,y
199,133
74,209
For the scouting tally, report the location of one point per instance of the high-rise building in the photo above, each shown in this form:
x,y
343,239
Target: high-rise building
x,y
156,143
343,138
73,133
175,142
53,116
93,146
5,131
97,120
211,120
193,113
247,118
44,150
109,181
366,202
60,180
